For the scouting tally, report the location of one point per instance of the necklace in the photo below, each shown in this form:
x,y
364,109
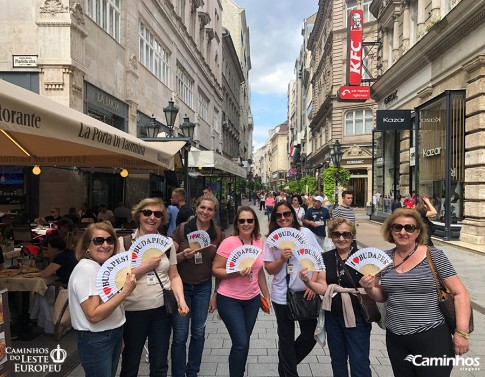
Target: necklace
x,y
406,257
240,239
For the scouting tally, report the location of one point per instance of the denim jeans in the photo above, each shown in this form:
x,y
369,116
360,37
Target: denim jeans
x,y
291,351
348,343
154,324
197,298
239,316
99,352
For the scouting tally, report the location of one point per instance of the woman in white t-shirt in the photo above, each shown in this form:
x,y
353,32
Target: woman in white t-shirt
x,y
99,324
238,294
299,210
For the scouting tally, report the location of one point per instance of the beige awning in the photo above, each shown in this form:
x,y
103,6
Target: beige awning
x,y
212,160
35,130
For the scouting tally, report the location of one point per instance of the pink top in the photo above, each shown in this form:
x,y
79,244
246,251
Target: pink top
x,y
240,287
269,202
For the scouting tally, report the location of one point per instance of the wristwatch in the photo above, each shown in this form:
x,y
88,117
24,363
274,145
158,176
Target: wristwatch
x,y
463,334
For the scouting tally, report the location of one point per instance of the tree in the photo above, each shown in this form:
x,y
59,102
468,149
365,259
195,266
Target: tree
x,y
331,175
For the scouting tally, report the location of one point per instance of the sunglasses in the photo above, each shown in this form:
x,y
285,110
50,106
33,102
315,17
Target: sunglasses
x,y
279,215
98,241
346,235
409,228
242,221
148,213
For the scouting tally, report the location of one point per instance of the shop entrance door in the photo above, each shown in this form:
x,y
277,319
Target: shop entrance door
x,y
358,187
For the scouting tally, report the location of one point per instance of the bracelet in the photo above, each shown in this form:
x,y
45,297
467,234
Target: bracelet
x,y
463,334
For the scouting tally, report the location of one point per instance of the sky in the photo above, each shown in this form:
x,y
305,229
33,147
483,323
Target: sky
x,y
275,41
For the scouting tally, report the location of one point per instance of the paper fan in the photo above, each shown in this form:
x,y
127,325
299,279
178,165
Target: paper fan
x,y
369,261
309,257
198,239
112,275
283,238
148,246
242,257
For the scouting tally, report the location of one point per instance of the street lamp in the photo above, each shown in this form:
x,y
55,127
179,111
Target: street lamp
x,y
336,155
171,112
187,128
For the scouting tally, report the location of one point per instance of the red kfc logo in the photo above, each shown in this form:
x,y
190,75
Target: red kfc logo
x,y
354,48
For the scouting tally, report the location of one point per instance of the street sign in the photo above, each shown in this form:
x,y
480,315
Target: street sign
x,y
353,93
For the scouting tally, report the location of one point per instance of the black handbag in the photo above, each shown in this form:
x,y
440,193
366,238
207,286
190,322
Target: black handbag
x,y
169,300
298,307
368,307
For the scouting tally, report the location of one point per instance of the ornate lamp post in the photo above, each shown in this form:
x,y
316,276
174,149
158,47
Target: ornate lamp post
x,y
336,155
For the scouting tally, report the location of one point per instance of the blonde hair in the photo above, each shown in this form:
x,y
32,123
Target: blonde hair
x,y
83,242
335,223
138,208
422,238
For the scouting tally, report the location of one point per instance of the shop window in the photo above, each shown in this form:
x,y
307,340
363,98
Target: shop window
x,y
352,4
185,87
358,122
106,13
153,55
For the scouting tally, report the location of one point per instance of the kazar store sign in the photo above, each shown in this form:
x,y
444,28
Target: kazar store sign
x,y
393,120
431,152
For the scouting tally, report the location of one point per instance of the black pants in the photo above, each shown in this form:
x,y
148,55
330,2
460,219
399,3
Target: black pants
x,y
262,204
291,352
435,343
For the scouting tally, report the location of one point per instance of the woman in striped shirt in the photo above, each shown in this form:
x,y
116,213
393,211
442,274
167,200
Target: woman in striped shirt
x,y
416,328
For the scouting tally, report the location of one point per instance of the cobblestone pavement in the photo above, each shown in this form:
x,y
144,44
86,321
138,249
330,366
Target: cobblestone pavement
x,y
263,358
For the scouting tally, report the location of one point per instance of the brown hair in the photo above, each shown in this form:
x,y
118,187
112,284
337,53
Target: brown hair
x,y
405,212
83,242
206,197
272,226
256,232
138,208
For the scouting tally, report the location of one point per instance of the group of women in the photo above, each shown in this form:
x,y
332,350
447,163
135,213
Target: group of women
x,y
414,322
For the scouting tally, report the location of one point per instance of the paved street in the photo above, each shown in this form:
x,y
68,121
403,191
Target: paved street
x,y
263,353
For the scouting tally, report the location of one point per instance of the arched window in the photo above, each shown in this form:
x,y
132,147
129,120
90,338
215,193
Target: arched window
x,y
358,122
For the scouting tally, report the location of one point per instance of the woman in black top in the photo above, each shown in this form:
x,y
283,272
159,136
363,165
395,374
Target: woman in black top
x,y
348,340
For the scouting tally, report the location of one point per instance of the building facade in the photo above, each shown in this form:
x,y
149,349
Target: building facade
x,y
432,64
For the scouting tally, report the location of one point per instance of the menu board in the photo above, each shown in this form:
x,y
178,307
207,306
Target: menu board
x,y
6,367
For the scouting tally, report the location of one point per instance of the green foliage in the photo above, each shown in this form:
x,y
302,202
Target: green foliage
x,y
332,175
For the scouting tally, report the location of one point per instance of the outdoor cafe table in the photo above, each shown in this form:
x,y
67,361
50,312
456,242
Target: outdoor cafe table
x,y
10,255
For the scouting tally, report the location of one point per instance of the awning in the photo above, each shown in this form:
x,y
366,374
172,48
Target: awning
x,y
214,161
35,130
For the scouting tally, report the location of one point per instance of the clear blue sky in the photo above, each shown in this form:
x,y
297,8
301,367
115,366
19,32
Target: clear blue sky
x,y
275,36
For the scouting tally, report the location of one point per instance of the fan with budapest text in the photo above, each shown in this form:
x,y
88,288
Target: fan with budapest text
x,y
112,275
149,246
369,261
198,239
241,258
283,238
309,257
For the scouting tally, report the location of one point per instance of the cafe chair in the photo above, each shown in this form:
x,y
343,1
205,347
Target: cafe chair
x,y
59,331
22,238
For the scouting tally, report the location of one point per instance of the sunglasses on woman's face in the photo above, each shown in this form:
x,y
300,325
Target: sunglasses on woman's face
x,y
346,235
279,215
98,241
409,228
242,221
148,213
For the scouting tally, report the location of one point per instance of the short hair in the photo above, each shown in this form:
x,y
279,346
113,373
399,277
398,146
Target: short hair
x,y
207,188
83,242
138,208
256,232
300,201
180,192
65,221
335,223
57,243
347,192
205,197
405,212
272,226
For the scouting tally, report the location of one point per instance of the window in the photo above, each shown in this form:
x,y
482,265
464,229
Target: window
x,y
203,106
352,4
358,122
413,23
106,13
152,55
185,87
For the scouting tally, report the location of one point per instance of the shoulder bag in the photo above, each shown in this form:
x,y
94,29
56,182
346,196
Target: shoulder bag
x,y
298,307
368,307
446,300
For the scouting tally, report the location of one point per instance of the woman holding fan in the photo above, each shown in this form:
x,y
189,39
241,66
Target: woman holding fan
x,y
282,264
146,316
195,268
99,325
348,335
238,294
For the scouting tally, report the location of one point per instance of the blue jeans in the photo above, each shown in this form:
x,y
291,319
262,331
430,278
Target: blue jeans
x,y
99,352
154,324
239,316
197,298
352,343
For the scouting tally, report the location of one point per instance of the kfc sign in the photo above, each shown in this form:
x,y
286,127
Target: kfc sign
x,y
354,47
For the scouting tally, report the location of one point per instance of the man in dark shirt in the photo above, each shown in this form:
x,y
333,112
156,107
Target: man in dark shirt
x,y
316,218
185,210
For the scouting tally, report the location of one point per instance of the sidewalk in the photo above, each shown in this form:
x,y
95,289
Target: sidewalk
x,y
263,358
